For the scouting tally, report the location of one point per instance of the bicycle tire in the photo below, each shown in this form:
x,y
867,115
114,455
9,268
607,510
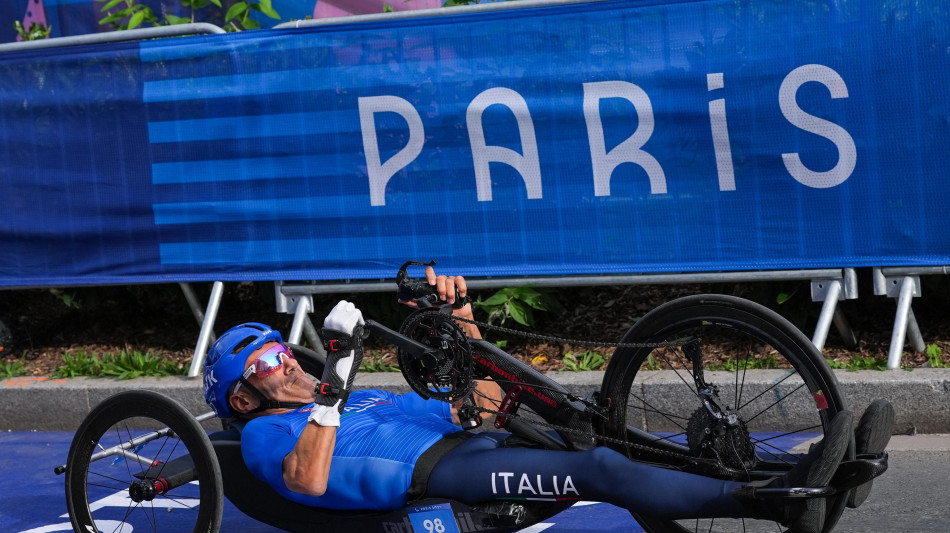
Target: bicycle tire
x,y
118,419
751,329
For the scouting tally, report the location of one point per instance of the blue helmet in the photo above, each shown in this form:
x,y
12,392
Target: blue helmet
x,y
226,359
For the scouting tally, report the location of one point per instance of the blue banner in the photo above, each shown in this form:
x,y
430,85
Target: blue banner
x,y
608,137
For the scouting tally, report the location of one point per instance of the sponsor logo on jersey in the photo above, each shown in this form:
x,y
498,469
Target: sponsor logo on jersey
x,y
362,405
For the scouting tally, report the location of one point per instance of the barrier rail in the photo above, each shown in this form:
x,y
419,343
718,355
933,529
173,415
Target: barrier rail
x,y
828,286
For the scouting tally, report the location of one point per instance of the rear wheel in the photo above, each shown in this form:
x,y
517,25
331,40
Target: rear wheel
x,y
169,483
737,392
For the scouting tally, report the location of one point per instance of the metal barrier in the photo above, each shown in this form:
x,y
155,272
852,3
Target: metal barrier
x,y
828,286
903,284
158,32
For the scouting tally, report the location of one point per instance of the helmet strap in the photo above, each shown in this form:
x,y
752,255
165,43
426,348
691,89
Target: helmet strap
x,y
265,402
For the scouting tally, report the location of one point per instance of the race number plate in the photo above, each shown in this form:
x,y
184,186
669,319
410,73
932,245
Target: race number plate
x,y
433,519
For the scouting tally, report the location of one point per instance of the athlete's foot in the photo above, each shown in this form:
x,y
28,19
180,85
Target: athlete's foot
x,y
871,437
813,470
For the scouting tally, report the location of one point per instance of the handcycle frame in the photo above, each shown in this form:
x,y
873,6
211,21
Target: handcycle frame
x,y
579,424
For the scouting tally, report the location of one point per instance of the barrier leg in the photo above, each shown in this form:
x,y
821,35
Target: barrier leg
x,y
900,323
827,314
311,332
844,329
204,337
195,307
913,332
304,306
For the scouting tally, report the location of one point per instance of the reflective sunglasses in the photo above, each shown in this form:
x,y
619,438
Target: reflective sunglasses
x,y
269,362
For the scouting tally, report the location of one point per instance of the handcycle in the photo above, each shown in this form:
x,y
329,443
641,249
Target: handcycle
x,y
145,454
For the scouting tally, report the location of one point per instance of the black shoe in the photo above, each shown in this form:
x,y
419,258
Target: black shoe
x,y
871,436
814,469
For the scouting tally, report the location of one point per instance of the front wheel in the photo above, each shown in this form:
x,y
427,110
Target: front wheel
x,y
733,391
141,462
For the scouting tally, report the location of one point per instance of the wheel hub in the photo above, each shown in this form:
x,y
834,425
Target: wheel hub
x,y
142,491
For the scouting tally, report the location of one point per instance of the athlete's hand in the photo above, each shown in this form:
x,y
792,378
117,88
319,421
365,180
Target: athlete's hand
x,y
344,317
447,288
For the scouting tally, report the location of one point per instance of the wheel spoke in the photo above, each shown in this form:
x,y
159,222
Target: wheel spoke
x,y
776,384
661,413
776,402
690,386
652,409
741,388
809,428
180,502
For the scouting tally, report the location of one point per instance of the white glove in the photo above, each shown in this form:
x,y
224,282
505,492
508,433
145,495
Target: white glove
x,y
344,317
325,415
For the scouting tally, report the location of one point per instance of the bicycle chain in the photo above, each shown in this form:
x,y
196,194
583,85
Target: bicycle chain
x,y
601,344
562,340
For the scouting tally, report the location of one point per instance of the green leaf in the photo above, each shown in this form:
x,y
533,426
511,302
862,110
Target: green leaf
x,y
216,2
174,19
114,17
387,8
496,299
268,9
520,312
136,19
111,4
783,297
236,10
251,24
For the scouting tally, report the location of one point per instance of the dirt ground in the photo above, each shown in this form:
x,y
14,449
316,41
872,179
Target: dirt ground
x,y
43,324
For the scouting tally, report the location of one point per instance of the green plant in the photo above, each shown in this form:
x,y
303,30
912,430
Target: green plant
x,y
583,362
376,363
124,365
239,18
12,370
518,304
732,365
78,364
35,33
69,299
130,15
935,356
193,6
860,363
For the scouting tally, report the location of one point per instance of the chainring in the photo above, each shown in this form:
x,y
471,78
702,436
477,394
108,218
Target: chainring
x,y
445,372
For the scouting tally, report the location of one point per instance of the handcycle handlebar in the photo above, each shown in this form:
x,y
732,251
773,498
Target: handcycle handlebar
x,y
419,290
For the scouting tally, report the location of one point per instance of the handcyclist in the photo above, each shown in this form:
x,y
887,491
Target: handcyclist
x,y
319,444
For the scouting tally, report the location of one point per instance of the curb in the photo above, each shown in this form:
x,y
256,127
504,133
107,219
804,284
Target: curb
x,y
920,397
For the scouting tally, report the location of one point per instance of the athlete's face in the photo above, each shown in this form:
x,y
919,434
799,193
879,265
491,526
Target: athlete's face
x,y
288,383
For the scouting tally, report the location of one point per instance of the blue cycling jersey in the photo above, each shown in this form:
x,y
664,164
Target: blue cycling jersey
x,y
381,436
